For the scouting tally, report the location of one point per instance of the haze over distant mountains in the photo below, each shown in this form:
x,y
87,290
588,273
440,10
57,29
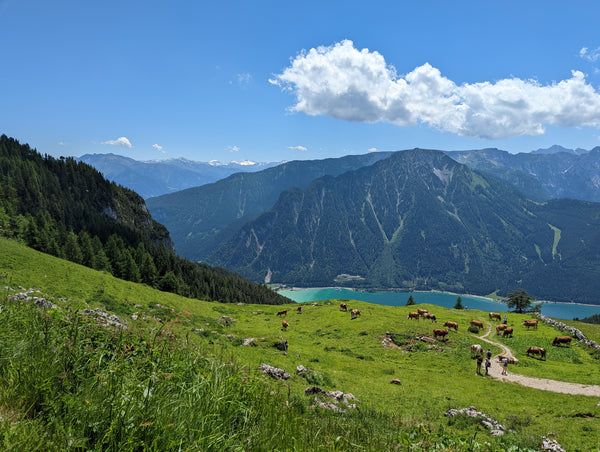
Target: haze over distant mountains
x,y
157,177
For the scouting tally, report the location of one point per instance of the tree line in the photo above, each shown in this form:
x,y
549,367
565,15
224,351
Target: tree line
x,y
67,209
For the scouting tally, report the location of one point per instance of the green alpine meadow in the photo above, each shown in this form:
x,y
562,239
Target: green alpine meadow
x,y
173,373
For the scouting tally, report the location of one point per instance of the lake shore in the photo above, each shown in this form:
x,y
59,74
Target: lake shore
x,y
483,297
559,310
352,289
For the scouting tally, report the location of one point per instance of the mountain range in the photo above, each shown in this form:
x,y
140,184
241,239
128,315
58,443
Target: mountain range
x,y
157,177
419,219
498,224
201,218
561,173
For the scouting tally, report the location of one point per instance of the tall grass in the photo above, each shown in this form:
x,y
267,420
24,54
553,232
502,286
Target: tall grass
x,y
94,388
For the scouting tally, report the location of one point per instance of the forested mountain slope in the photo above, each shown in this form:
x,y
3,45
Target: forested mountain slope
x,y
201,218
421,220
68,209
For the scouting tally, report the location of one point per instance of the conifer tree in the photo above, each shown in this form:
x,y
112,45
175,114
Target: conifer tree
x,y
458,304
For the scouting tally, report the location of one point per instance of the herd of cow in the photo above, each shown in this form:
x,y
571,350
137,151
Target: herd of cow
x,y
354,313
440,334
503,329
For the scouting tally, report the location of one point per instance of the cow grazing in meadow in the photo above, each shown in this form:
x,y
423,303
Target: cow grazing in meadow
x,y
422,311
562,340
476,349
299,309
494,315
413,315
430,317
530,323
477,323
439,333
343,307
354,313
451,325
282,312
284,324
537,351
501,328
511,359
507,332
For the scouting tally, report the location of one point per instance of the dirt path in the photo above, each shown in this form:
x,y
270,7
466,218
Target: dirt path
x,y
533,382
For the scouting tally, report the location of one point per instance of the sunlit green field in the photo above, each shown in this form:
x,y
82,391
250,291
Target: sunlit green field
x,y
350,355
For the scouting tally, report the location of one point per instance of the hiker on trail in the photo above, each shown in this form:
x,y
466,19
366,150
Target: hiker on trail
x,y
488,354
479,361
505,321
487,366
504,366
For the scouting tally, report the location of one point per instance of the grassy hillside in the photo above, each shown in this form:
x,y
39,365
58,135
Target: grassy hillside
x,y
188,381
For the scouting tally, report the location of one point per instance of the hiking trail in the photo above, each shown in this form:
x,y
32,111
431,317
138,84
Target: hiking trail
x,y
495,372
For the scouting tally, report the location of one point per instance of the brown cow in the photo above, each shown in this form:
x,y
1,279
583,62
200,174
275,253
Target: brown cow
x,y
452,325
507,332
354,313
501,328
343,307
477,323
422,311
439,333
494,315
299,309
430,317
562,340
530,323
284,324
413,315
537,351
282,312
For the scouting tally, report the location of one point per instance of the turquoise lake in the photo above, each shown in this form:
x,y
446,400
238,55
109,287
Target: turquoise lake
x,y
555,310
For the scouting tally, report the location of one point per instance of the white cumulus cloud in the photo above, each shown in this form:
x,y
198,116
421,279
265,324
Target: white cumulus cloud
x,y
121,141
298,148
372,149
346,83
158,147
233,148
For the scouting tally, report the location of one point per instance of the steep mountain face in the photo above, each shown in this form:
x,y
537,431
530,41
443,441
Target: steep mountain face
x,y
155,178
419,219
202,218
541,176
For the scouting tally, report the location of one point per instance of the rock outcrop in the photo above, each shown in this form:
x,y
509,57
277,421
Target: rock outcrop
x,y
274,372
568,329
489,422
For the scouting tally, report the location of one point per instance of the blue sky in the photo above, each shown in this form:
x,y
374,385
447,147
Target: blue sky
x,y
273,80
